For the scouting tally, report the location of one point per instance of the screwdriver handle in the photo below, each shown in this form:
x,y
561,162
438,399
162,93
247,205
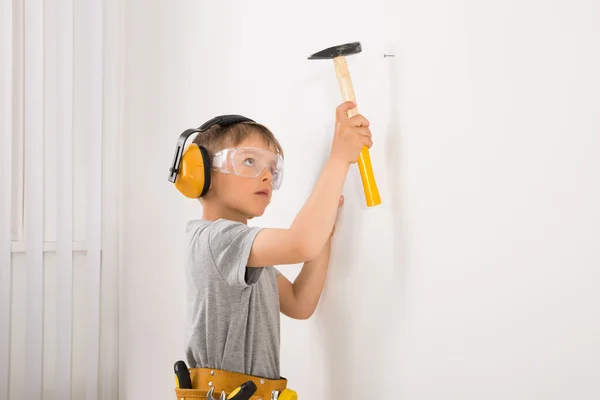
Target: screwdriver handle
x,y
244,392
182,375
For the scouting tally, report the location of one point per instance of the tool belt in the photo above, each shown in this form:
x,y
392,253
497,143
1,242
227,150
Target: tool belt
x,y
203,379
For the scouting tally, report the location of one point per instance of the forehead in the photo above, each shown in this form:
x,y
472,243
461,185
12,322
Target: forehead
x,y
258,141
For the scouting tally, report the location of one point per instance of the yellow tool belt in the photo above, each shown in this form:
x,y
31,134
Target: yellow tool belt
x,y
203,379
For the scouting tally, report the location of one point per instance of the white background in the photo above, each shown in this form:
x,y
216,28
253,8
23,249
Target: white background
x,y
477,276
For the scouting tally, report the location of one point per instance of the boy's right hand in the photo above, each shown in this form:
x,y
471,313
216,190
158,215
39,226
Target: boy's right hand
x,y
315,223
350,135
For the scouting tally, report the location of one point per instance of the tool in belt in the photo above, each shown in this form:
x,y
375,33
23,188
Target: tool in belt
x,y
191,381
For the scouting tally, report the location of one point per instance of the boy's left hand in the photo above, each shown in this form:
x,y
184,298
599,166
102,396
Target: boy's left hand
x,y
299,300
339,205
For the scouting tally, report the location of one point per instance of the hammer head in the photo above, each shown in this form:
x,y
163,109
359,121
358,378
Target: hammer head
x,y
337,51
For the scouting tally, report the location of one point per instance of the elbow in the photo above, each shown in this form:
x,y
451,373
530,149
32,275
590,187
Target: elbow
x,y
304,314
306,247
308,251
298,313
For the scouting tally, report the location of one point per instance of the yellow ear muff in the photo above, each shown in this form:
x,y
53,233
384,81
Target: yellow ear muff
x,y
193,179
190,170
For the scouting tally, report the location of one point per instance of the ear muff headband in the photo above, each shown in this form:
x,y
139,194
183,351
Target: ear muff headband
x,y
190,169
224,120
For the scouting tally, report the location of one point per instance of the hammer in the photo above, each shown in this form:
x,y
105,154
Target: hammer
x,y
338,54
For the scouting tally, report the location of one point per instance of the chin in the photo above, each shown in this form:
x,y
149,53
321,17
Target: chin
x,y
256,211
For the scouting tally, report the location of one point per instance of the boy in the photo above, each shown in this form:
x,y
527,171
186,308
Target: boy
x,y
235,292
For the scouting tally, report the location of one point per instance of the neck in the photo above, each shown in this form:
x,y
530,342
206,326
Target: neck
x,y
212,212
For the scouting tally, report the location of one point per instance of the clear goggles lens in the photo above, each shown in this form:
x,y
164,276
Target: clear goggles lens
x,y
250,162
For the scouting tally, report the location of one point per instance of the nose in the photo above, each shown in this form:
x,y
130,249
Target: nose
x,y
266,175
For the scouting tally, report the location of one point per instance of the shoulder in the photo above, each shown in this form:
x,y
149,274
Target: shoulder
x,y
221,228
196,227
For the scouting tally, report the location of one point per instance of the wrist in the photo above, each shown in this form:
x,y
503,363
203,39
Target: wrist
x,y
338,162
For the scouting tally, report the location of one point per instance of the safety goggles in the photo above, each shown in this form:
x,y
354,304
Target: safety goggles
x,y
249,162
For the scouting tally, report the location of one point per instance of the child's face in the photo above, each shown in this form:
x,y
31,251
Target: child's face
x,y
247,197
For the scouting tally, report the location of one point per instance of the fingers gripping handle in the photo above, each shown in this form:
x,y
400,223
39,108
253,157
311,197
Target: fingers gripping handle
x,y
364,161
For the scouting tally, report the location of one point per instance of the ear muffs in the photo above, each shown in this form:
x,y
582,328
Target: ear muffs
x,y
190,170
193,180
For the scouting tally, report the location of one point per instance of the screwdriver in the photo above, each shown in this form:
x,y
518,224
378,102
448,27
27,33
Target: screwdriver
x,y
243,392
182,375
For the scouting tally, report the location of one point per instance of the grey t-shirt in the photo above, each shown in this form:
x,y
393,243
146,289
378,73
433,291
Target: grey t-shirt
x,y
233,310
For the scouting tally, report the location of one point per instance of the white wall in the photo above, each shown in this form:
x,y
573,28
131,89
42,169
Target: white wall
x,y
475,277
500,135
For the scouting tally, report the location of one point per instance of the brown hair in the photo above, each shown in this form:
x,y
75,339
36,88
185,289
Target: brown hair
x,y
217,138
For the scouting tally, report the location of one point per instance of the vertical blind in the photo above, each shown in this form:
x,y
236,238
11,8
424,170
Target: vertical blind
x,y
5,196
57,308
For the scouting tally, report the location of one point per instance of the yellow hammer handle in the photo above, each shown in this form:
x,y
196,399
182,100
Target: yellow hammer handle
x,y
364,160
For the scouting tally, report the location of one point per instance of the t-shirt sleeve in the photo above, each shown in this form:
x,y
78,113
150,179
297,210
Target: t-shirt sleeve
x,y
230,243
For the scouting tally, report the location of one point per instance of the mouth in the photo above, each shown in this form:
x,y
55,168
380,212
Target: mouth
x,y
263,193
